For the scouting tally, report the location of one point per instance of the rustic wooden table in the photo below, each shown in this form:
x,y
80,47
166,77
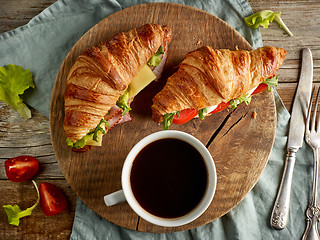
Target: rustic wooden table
x,y
32,137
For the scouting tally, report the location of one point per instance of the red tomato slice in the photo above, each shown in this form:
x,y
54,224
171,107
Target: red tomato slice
x,y
220,107
22,168
52,199
260,88
185,116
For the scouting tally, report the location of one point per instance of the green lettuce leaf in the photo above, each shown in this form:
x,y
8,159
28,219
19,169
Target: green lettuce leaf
x,y
14,80
123,102
97,129
14,213
168,118
201,113
82,142
156,58
79,143
263,18
272,82
235,102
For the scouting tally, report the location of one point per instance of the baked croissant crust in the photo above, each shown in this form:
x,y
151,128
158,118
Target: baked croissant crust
x,y
207,77
101,75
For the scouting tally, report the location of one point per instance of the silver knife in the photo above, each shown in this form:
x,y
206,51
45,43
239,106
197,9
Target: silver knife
x,y
280,213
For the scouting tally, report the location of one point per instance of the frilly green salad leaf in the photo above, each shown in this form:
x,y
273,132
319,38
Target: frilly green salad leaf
x,y
156,58
123,102
82,142
202,112
263,18
14,80
97,129
168,118
272,82
14,213
235,102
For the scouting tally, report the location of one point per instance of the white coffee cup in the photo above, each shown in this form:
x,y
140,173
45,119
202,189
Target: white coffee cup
x,y
126,194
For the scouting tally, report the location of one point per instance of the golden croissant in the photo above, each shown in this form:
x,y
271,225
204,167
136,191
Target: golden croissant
x,y
101,76
208,77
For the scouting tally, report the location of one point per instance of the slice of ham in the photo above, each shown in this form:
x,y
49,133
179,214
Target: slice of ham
x,y
115,117
125,118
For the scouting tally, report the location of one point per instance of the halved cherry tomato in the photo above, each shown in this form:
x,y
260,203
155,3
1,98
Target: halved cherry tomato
x,y
220,107
21,168
260,88
185,116
52,199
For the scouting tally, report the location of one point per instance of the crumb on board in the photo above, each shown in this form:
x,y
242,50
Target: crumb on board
x,y
199,42
254,114
237,47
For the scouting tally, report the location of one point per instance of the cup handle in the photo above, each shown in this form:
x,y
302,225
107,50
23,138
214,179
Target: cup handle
x,y
114,198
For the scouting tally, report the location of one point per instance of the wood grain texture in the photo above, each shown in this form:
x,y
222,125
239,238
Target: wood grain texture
x,y
37,225
16,13
98,172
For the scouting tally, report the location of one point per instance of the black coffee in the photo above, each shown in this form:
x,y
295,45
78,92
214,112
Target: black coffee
x,y
169,178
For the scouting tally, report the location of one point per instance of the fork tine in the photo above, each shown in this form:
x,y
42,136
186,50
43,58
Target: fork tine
x,y
316,110
309,110
314,114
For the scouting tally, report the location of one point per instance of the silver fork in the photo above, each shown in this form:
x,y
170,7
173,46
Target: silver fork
x,y
312,136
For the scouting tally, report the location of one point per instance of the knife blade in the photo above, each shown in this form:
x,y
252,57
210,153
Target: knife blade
x,y
280,213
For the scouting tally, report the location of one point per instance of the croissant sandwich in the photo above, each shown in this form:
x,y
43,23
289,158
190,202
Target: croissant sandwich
x,y
209,80
104,79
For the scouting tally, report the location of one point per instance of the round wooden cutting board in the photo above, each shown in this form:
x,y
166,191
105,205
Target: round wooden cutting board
x,y
239,140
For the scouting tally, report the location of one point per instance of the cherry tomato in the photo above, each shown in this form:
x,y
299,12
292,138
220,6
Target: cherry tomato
x,y
220,107
260,88
185,116
21,168
52,199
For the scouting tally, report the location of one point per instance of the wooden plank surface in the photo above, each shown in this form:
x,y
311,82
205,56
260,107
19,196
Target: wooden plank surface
x,y
19,137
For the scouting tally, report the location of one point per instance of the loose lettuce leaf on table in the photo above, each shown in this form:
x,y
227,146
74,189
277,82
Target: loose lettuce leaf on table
x,y
263,18
14,213
14,80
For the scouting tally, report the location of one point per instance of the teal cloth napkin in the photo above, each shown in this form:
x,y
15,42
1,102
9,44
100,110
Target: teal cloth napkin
x,y
44,42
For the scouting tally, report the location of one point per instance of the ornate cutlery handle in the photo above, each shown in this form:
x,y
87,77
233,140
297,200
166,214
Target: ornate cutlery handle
x,y
313,210
280,213
312,233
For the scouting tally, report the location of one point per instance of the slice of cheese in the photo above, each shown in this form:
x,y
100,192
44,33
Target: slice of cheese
x,y
144,78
